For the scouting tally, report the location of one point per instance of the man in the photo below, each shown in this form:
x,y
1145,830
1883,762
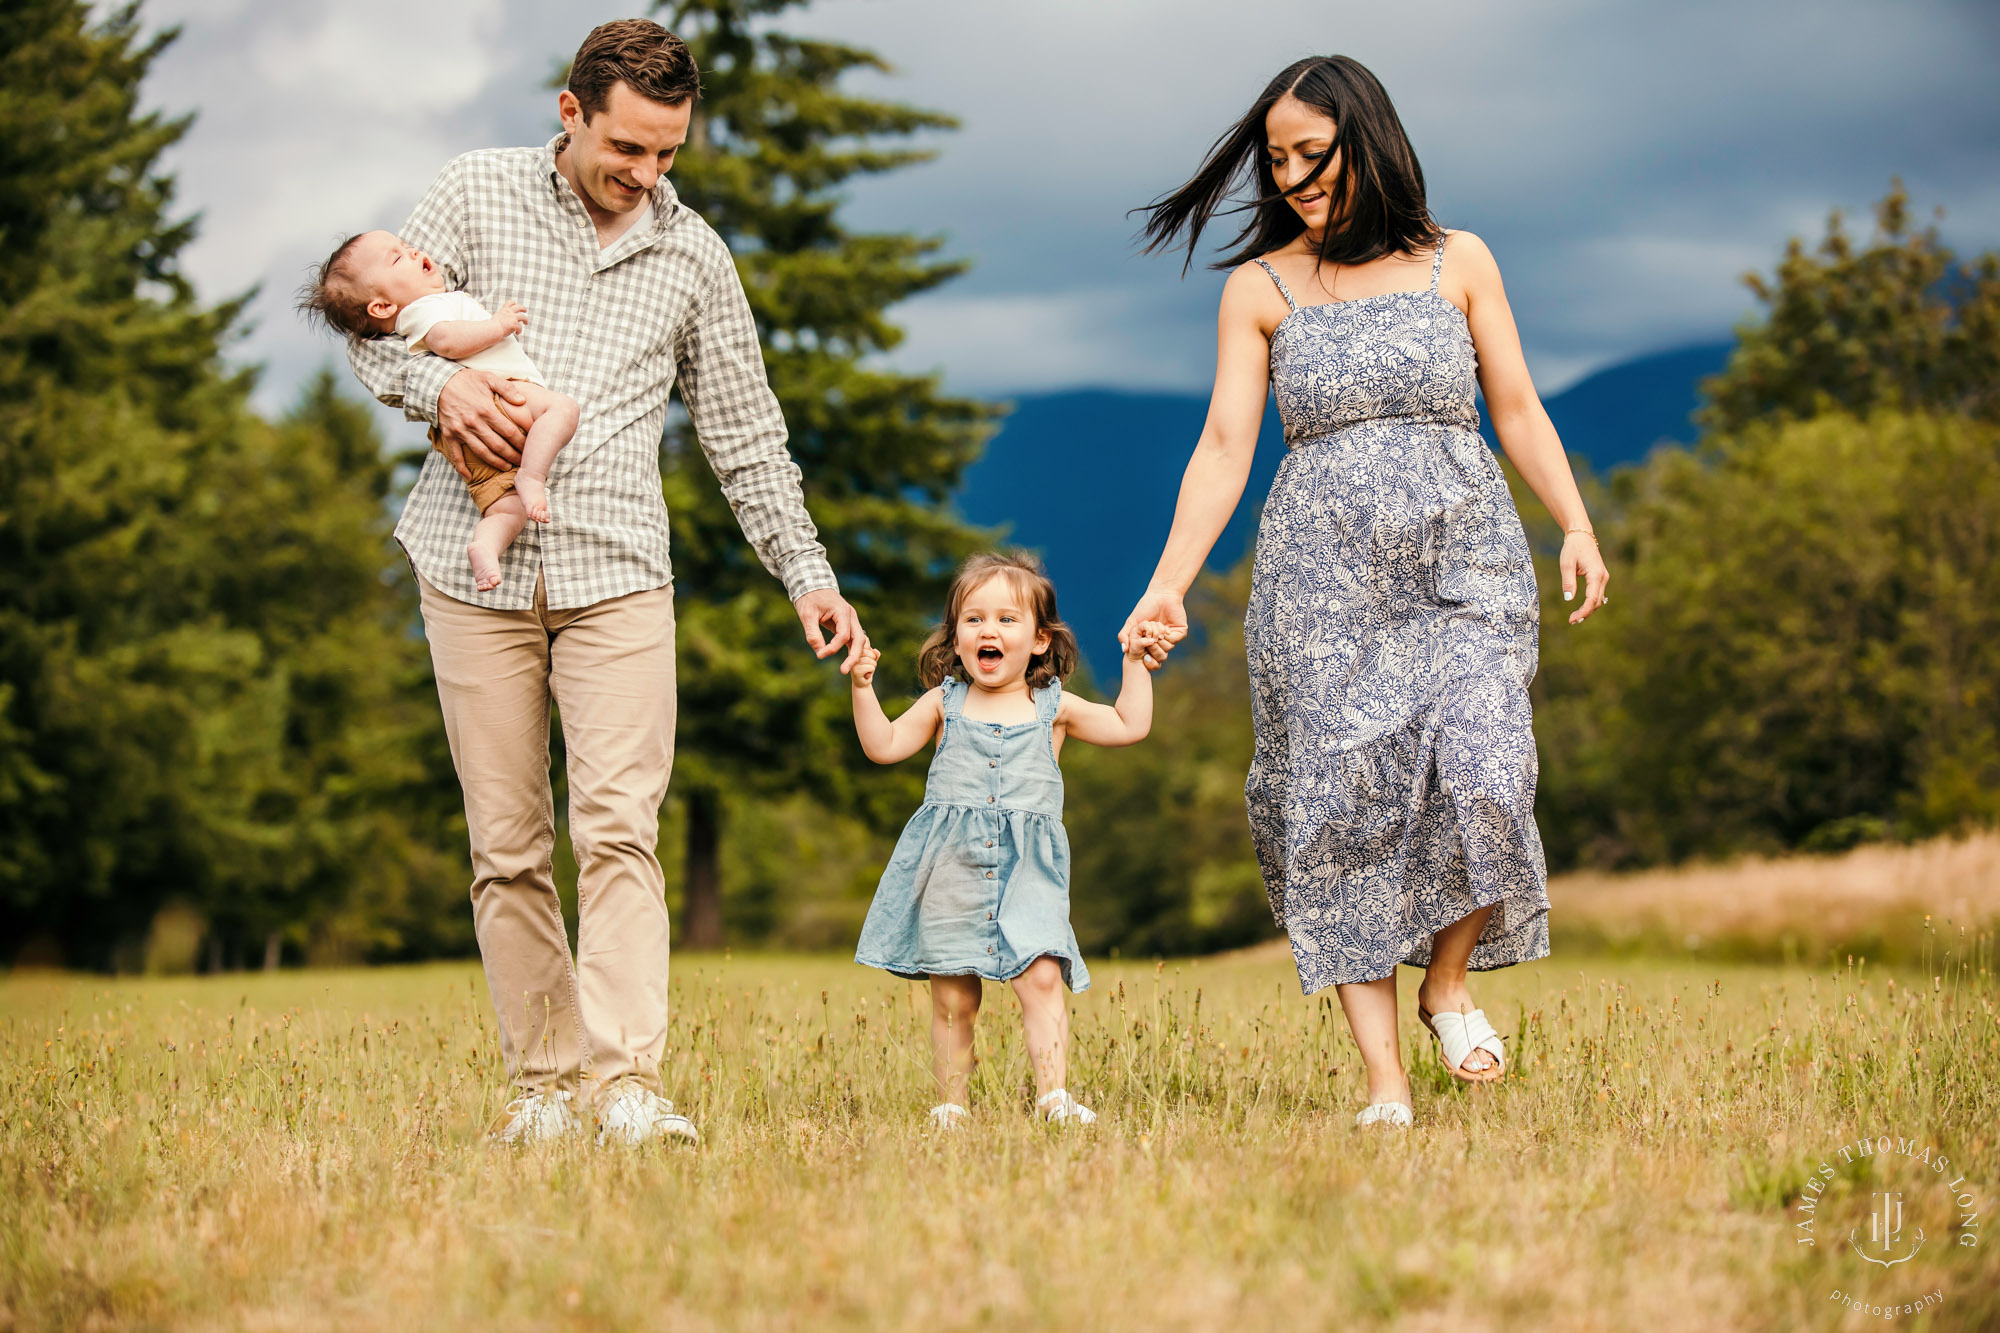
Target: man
x,y
627,291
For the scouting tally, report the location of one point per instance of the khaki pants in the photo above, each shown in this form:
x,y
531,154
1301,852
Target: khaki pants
x,y
610,669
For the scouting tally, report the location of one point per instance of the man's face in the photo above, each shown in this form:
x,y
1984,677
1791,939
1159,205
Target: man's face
x,y
617,157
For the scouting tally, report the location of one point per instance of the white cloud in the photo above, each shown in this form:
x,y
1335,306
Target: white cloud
x,y
1626,163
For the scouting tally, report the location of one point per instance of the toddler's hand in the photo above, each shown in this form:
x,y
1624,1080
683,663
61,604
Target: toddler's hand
x,y
1153,633
863,674
513,317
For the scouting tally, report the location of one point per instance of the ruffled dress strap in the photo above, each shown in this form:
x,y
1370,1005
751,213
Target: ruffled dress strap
x,y
1047,699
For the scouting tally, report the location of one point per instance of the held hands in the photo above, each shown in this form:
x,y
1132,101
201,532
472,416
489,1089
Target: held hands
x,y
483,415
824,606
863,675
1581,556
1163,608
513,317
1151,641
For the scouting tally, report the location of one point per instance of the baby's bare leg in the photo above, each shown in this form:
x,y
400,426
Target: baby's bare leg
x,y
556,415
498,527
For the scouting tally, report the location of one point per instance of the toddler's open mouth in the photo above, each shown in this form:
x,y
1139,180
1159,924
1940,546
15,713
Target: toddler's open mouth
x,y
991,657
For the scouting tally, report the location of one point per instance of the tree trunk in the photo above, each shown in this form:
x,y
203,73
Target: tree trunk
x,y
274,951
701,899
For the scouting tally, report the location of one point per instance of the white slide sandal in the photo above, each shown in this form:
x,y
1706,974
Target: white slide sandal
x,y
1459,1035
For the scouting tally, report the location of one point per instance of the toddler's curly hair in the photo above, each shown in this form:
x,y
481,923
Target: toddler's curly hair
x,y
939,657
331,298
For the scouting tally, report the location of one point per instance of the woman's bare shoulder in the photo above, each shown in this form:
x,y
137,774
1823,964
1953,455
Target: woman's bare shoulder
x,y
1466,248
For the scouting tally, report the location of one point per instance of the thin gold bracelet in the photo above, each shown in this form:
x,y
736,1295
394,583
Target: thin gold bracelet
x,y
1585,531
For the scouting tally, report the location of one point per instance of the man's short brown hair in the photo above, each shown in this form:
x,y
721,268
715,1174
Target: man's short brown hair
x,y
640,52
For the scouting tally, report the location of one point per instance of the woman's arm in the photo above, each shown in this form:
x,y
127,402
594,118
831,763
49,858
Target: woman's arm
x,y
884,741
1519,419
1220,467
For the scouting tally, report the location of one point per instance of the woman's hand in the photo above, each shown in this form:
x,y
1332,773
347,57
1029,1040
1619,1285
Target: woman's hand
x,y
1165,606
1581,556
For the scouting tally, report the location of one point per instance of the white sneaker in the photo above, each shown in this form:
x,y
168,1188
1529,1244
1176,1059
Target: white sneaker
x,y
947,1115
1394,1114
636,1115
1059,1107
538,1117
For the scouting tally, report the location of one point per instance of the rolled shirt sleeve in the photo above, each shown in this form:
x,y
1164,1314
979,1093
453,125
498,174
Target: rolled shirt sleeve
x,y
736,417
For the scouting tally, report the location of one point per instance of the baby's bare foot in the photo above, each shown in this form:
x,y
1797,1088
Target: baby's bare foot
x,y
534,496
485,567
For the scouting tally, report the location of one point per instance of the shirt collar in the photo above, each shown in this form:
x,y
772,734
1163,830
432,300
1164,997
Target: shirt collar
x,y
666,203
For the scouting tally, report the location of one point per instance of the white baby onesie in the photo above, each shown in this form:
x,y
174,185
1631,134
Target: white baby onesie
x,y
505,358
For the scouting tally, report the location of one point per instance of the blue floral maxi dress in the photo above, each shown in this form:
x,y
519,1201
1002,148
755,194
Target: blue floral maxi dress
x,y
1391,635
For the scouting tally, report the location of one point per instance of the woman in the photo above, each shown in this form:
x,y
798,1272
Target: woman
x,y
1393,613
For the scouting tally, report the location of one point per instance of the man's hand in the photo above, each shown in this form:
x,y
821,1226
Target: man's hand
x,y
824,606
473,418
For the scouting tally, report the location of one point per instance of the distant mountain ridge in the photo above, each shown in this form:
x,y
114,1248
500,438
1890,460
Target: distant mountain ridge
x,y
1088,477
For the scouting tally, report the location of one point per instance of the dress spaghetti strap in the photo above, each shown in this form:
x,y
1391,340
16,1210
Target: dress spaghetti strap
x,y
1285,291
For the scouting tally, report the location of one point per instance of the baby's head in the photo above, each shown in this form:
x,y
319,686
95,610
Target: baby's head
x,y
365,283
1000,625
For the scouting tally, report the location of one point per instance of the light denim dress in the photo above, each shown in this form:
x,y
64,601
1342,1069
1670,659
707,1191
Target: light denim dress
x,y
979,882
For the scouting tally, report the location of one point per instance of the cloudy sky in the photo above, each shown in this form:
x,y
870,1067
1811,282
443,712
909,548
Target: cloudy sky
x,y
1626,162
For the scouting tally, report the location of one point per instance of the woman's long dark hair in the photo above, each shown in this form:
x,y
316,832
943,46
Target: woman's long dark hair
x,y
1378,194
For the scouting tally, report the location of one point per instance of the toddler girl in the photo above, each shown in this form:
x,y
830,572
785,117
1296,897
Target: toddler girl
x,y
978,887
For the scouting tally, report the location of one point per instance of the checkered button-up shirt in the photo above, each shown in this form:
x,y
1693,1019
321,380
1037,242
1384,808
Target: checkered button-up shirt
x,y
613,329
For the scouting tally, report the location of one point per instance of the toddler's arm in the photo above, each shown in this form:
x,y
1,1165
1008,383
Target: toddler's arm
x,y
884,741
456,339
1131,718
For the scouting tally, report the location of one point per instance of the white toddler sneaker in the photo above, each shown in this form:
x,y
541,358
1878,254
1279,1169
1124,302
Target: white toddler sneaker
x,y
538,1117
1395,1114
634,1115
1059,1108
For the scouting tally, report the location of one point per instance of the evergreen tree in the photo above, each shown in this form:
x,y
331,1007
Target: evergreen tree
x,y
773,139
207,690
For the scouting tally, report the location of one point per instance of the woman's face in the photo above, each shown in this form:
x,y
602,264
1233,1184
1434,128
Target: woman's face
x,y
1296,139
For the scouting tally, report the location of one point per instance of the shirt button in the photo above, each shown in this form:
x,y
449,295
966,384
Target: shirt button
x,y
989,874
989,916
989,800
993,763
996,731
989,948
989,842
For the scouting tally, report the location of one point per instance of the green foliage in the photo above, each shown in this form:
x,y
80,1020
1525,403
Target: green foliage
x,y
1160,846
1891,325
1803,649
773,140
208,690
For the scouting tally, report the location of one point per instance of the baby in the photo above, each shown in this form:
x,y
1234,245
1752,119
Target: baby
x,y
374,284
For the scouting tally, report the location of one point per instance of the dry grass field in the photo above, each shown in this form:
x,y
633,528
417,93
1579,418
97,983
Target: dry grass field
x,y
304,1151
